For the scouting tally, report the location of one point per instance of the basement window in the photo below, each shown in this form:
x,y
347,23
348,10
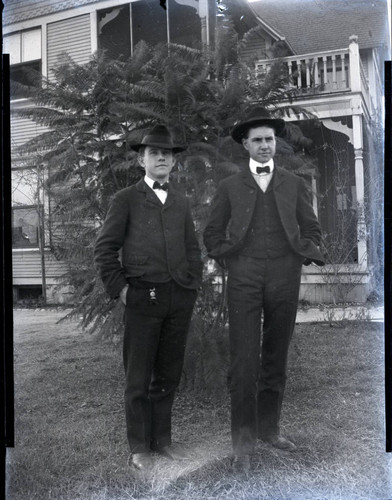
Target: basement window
x,y
27,293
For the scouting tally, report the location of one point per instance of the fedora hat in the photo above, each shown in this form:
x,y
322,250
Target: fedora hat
x,y
257,117
159,137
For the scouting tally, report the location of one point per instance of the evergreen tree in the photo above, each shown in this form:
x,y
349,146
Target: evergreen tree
x,y
94,111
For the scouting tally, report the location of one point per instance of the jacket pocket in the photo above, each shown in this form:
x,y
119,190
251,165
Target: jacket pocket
x,y
136,259
135,264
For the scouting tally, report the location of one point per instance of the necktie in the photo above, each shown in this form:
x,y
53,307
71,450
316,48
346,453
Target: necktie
x,y
260,170
164,186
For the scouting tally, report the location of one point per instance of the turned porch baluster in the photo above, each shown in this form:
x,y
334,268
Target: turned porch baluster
x,y
334,79
299,82
325,82
307,65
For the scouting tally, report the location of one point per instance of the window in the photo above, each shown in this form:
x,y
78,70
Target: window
x,y
24,49
25,226
27,211
27,293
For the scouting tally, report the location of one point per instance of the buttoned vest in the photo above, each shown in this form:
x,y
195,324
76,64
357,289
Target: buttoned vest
x,y
148,234
265,237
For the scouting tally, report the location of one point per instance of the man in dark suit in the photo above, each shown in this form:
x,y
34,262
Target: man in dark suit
x,y
157,280
262,227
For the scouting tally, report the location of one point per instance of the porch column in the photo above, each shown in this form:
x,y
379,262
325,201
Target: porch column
x,y
205,22
94,31
357,115
360,193
354,64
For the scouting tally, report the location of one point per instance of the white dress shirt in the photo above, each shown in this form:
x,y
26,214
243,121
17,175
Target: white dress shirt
x,y
161,193
264,178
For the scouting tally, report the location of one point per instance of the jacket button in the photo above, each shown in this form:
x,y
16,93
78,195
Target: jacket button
x,y
248,210
251,191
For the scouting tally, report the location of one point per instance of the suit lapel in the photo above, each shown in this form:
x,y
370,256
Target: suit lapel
x,y
278,178
150,196
247,178
248,198
171,195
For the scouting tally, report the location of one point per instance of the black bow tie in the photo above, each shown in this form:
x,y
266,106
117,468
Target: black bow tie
x,y
164,186
260,170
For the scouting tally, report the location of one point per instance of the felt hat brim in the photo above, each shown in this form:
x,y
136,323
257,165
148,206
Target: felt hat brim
x,y
158,138
160,145
239,131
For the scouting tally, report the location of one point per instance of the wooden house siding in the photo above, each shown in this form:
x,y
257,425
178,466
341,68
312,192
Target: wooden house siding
x,y
22,130
71,36
26,268
254,49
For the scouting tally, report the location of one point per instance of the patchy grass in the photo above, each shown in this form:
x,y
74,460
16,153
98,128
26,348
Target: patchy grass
x,y
70,429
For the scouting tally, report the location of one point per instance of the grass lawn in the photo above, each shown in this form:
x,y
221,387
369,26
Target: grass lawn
x,y
70,429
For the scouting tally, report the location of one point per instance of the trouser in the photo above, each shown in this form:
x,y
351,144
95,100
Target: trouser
x,y
257,375
156,327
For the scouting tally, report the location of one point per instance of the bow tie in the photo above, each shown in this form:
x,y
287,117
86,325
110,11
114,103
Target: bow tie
x,y
164,186
260,170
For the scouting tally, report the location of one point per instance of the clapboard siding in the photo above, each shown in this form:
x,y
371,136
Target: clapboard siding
x,y
26,267
71,36
23,129
20,10
255,48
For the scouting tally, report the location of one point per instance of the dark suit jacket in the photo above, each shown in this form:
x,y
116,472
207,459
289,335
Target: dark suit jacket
x,y
233,207
152,236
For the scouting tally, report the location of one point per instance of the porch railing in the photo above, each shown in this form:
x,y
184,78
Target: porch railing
x,y
323,72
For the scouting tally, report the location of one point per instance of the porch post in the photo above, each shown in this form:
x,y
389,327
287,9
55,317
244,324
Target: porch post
x,y
357,115
94,31
360,194
354,64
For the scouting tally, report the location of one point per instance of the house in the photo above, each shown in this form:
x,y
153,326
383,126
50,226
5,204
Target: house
x,y
334,52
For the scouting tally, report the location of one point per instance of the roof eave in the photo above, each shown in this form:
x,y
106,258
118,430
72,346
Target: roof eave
x,y
271,31
275,34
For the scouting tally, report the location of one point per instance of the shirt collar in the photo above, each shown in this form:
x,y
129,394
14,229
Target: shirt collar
x,y
254,164
149,181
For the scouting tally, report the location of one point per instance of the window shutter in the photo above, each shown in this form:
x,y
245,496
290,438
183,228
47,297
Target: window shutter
x,y
71,36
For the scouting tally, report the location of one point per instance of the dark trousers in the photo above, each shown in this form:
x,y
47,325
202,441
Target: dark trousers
x,y
258,368
156,327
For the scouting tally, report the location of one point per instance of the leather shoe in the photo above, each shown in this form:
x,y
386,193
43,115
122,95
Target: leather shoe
x,y
241,464
142,461
173,452
280,442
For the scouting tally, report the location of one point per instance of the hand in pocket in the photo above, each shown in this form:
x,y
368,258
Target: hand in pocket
x,y
123,295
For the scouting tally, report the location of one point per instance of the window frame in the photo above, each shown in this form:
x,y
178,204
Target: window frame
x,y
39,233
24,63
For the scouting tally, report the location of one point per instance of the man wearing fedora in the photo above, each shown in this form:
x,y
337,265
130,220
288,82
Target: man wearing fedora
x,y
157,280
262,227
